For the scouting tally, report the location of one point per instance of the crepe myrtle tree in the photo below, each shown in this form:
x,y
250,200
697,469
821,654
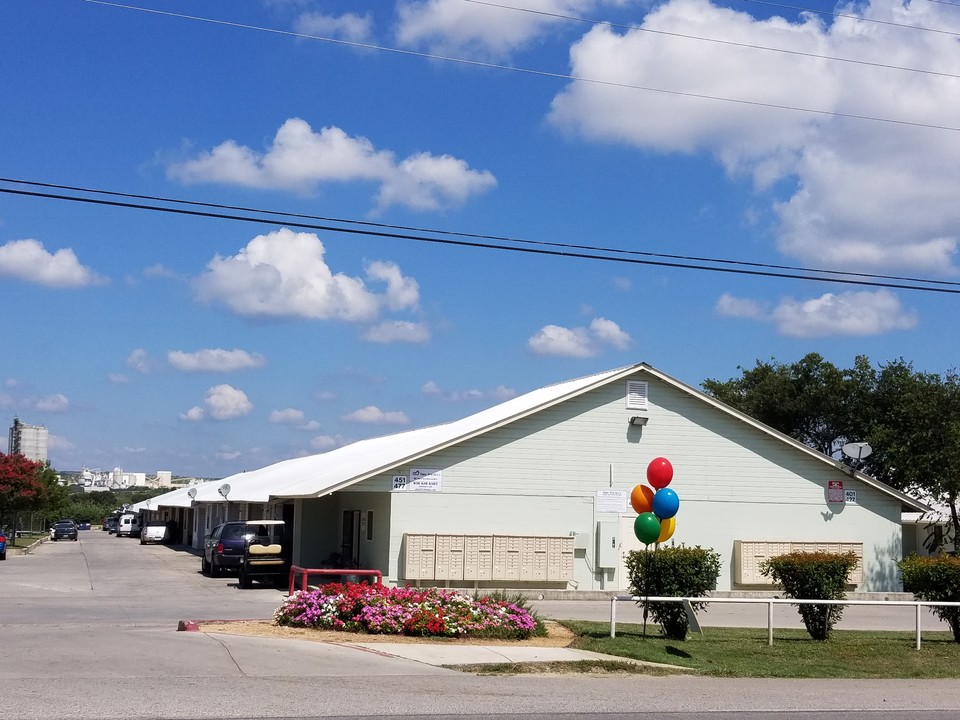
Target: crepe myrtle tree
x,y
20,486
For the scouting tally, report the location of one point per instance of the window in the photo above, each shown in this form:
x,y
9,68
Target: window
x,y
369,524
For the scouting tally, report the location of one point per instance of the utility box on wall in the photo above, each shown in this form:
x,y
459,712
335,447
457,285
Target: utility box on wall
x,y
608,544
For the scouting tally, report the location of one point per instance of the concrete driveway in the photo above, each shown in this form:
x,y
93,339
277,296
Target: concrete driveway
x,y
88,630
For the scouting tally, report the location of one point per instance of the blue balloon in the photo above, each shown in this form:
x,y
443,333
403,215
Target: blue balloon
x,y
665,503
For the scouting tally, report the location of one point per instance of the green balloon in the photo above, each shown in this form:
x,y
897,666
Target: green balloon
x,y
647,528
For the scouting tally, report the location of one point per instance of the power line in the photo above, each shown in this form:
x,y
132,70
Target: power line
x,y
530,71
265,217
858,18
477,236
700,38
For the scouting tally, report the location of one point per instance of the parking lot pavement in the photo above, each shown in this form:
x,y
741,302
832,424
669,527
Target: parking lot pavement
x,y
90,628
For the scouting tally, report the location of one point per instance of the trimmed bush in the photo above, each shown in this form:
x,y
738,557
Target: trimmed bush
x,y
678,571
813,576
935,579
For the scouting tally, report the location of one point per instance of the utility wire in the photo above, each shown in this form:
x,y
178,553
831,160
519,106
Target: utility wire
x,y
267,220
858,18
529,71
477,236
700,38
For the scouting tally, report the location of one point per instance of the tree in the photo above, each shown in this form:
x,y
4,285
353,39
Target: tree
x,y
811,400
916,433
910,419
21,485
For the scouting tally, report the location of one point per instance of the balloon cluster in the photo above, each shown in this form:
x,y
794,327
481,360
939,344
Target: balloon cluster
x,y
657,506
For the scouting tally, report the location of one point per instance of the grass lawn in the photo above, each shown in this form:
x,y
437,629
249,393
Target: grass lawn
x,y
743,652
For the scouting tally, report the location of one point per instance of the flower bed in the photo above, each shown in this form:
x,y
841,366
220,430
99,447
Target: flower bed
x,y
358,607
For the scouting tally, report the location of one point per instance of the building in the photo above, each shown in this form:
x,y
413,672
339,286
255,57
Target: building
x,y
533,493
31,441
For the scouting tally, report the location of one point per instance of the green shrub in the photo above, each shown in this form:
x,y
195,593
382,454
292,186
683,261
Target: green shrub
x,y
813,576
672,572
935,579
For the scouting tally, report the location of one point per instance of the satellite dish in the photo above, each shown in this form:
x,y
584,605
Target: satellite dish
x,y
857,450
192,493
224,489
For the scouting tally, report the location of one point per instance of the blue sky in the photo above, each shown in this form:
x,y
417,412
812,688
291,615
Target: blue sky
x,y
155,341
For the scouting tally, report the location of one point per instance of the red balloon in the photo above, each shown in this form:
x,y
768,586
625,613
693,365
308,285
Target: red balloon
x,y
659,472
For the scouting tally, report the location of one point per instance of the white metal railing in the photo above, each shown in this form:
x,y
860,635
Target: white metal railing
x,y
770,603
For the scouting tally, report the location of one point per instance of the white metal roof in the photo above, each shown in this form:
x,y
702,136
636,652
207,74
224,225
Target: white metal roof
x,y
173,498
325,473
317,475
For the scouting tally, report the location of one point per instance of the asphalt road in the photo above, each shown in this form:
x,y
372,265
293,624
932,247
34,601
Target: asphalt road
x,y
88,630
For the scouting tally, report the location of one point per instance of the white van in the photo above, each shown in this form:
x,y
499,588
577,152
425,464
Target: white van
x,y
128,524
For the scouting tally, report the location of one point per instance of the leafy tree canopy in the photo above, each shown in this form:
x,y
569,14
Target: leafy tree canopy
x,y
910,419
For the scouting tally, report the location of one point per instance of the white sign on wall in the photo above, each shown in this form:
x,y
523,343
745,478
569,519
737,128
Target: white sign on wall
x,y
611,501
850,497
419,480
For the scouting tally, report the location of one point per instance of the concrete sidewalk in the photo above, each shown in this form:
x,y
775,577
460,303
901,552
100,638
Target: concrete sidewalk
x,y
447,655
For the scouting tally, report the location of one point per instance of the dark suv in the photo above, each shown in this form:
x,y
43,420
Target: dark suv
x,y
64,530
223,548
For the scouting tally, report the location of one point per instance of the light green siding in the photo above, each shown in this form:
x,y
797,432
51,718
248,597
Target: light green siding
x,y
540,475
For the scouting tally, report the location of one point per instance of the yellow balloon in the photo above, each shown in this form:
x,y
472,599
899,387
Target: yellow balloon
x,y
666,529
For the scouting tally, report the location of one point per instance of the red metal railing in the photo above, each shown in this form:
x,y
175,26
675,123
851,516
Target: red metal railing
x,y
305,574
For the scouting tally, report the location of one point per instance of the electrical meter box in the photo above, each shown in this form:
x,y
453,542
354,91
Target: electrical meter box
x,y
608,544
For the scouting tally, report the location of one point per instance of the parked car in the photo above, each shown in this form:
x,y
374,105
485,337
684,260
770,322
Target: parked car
x,y
224,547
155,531
110,525
3,545
64,530
128,524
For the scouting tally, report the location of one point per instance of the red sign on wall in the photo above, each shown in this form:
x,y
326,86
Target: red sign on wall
x,y
835,491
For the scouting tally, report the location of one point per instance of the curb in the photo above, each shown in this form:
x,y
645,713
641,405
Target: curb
x,y
194,625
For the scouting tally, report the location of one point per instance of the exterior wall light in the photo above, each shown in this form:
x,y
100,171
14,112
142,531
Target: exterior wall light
x,y
639,420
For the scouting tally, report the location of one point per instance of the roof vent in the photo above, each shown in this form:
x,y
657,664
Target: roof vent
x,y
636,395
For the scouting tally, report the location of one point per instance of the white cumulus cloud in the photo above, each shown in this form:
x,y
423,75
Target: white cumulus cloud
x,y
214,360
729,306
580,341
432,389
483,30
852,313
393,331
325,442
284,274
223,402
831,314
375,416
28,260
140,361
194,414
300,160
287,416
863,195
56,403
349,26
